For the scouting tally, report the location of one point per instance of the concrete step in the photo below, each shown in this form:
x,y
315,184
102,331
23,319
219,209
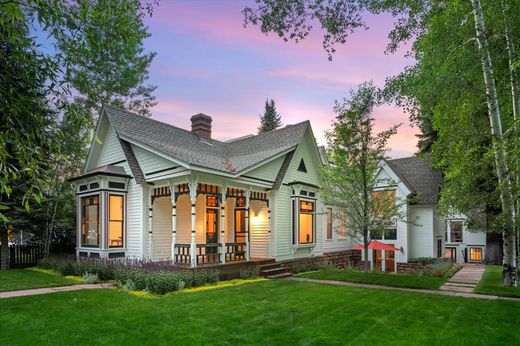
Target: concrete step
x,y
456,289
280,276
458,284
273,271
268,266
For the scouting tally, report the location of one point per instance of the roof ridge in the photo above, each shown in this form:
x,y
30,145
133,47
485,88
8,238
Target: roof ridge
x,y
157,121
265,133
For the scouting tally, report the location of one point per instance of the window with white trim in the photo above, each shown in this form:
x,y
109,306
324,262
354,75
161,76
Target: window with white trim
x,y
90,226
304,222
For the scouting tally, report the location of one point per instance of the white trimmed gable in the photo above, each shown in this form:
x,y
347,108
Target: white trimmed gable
x,y
308,152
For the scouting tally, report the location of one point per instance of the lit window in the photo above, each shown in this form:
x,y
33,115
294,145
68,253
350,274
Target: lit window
x,y
475,254
329,223
211,201
306,222
115,221
90,221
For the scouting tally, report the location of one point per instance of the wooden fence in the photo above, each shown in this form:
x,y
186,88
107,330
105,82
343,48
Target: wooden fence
x,y
23,256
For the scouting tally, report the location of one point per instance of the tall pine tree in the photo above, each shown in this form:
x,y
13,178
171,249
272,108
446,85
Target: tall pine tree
x,y
271,120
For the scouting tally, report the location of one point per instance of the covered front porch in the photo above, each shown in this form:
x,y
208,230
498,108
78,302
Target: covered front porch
x,y
196,224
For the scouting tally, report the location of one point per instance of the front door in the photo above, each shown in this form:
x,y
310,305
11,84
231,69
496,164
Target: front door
x,y
377,256
389,260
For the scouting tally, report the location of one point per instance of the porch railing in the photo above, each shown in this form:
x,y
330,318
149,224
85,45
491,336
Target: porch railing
x,y
208,253
182,254
235,252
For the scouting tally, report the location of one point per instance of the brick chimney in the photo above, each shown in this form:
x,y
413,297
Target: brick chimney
x,y
201,125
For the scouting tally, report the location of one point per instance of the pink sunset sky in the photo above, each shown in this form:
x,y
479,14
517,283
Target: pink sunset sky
x,y
207,62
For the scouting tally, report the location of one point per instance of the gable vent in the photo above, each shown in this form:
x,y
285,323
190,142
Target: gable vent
x,y
302,167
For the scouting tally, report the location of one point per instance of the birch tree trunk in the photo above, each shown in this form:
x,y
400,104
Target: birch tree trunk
x,y
515,97
506,195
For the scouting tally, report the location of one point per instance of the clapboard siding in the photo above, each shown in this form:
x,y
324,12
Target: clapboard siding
x,y
110,150
283,214
338,242
151,162
183,228
267,171
422,232
259,235
134,223
162,229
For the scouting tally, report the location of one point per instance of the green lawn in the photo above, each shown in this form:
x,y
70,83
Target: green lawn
x,y
395,280
264,313
491,283
21,279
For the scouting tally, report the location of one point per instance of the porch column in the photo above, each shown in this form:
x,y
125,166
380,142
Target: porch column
x,y
173,190
150,216
193,197
248,195
222,223
383,260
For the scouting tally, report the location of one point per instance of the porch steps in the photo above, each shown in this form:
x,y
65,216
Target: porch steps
x,y
274,271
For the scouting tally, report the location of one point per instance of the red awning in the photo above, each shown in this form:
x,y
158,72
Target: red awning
x,y
377,245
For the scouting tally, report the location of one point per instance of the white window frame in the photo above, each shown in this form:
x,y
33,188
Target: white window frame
x,y
448,231
100,220
295,214
110,193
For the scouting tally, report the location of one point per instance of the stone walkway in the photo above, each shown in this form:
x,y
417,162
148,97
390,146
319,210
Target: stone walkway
x,y
465,280
415,290
46,290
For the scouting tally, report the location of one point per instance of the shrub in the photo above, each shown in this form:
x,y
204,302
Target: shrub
x,y
202,277
90,278
124,274
423,260
301,267
251,272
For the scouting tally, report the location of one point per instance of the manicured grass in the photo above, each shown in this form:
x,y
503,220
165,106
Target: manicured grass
x,y
394,280
491,283
22,279
264,313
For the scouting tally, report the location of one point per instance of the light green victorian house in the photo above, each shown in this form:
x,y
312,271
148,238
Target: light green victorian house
x,y
154,191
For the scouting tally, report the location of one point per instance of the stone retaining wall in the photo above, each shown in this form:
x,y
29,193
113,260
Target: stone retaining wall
x,y
337,259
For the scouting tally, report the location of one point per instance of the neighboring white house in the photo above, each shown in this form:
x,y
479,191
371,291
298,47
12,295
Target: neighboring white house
x,y
155,191
424,233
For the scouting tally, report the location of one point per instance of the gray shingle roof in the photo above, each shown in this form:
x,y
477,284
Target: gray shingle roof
x,y
419,176
185,146
132,162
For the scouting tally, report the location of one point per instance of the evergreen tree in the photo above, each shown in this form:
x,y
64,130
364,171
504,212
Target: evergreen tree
x,y
271,120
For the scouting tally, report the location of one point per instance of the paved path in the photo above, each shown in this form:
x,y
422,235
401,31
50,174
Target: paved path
x,y
416,290
46,290
466,279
